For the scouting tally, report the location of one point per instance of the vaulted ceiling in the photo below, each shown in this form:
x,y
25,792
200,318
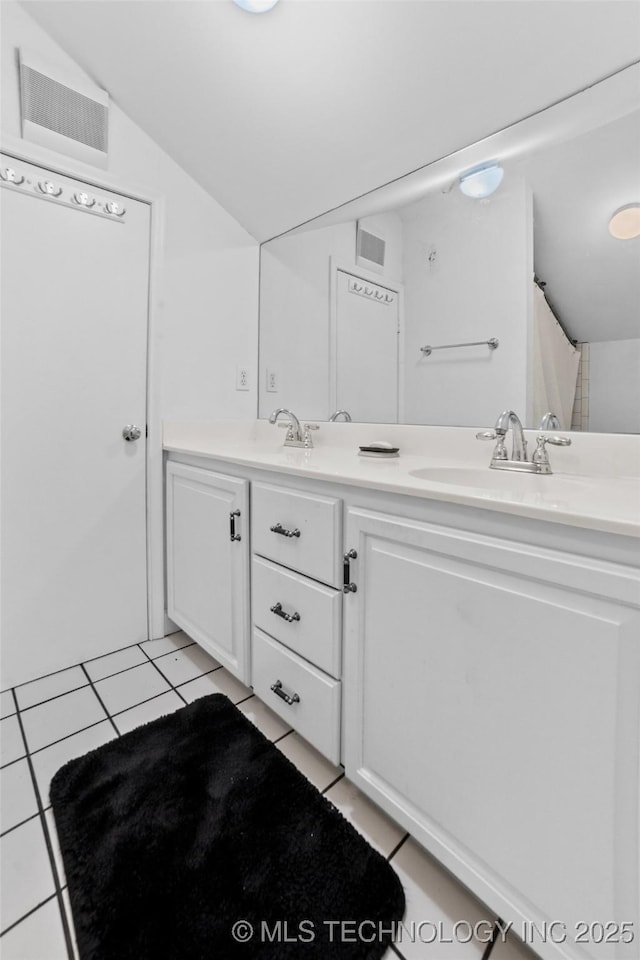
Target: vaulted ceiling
x,y
284,115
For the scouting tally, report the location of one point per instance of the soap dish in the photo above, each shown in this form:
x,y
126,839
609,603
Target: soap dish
x,y
380,449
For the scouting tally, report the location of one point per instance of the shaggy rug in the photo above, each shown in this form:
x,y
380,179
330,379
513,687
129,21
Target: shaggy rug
x,y
194,838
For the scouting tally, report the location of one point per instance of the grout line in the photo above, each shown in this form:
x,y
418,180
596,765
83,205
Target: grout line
x,y
91,684
16,825
27,915
64,669
169,653
60,739
244,700
47,839
166,679
282,736
333,783
400,843
287,734
156,696
32,706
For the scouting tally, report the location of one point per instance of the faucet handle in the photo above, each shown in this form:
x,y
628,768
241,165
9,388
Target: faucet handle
x,y
559,441
487,435
308,440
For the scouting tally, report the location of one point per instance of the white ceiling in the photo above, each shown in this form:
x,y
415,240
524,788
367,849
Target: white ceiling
x,y
284,115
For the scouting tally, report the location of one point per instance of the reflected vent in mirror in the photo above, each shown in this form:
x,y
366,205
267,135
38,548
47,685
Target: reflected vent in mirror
x,y
369,250
68,118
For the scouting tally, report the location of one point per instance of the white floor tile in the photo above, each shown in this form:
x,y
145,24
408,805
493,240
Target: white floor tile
x,y
7,704
26,877
39,937
157,648
69,914
439,910
306,758
29,694
368,819
265,719
114,662
18,798
131,687
11,740
184,665
511,948
61,717
220,681
48,761
145,712
53,835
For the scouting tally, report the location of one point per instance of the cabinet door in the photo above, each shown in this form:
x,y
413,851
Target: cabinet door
x,y
207,571
491,705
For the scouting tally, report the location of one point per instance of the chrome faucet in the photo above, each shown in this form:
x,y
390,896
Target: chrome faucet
x,y
549,422
519,445
295,437
340,413
500,460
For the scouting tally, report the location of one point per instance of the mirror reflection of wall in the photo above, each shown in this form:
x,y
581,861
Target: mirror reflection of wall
x,y
347,307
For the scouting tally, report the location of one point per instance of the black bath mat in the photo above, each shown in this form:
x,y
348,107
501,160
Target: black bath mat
x,y
195,823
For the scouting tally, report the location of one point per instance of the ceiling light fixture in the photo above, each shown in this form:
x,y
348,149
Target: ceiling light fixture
x,y
256,6
625,222
481,181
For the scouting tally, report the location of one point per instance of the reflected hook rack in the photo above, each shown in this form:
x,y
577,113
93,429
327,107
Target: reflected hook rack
x,y
493,344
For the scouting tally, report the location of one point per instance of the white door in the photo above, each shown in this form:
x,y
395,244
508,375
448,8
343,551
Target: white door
x,y
366,350
208,561
74,345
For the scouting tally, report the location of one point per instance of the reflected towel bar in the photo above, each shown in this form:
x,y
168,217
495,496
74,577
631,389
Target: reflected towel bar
x,y
493,344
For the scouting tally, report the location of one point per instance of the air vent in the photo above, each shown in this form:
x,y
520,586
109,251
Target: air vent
x,y
369,250
70,119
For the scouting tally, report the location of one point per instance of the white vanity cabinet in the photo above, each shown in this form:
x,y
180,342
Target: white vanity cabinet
x,y
208,561
492,706
297,609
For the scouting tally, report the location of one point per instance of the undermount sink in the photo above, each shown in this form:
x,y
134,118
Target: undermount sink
x,y
495,480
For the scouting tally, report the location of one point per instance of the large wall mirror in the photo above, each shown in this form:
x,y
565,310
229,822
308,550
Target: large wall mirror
x,y
418,303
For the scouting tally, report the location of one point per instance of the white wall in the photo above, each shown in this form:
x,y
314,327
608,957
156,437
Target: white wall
x,y
294,310
468,267
614,386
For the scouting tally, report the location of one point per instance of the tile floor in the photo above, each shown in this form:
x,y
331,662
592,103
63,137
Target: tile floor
x,y
48,721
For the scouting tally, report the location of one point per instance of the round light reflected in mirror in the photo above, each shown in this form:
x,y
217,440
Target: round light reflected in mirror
x,y
625,223
256,6
481,181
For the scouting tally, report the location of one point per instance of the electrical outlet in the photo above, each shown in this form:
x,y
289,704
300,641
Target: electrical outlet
x,y
272,381
242,378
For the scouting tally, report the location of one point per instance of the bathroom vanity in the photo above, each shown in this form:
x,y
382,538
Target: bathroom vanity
x,y
471,654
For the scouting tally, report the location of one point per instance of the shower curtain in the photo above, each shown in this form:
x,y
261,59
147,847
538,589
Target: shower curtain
x,y
555,365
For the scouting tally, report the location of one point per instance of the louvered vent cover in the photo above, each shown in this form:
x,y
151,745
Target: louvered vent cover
x,y
369,249
52,110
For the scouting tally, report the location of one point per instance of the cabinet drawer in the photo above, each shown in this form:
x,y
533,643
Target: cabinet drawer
x,y
315,633
316,715
313,522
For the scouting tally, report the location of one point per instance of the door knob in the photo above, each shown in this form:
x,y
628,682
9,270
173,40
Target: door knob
x,y
131,432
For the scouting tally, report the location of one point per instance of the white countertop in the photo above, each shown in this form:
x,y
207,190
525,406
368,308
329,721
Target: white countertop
x,y
595,484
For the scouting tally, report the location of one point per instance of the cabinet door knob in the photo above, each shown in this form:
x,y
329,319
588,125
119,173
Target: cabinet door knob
x,y
289,698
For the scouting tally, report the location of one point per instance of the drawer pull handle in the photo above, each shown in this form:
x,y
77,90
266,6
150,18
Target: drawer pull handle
x,y
232,525
279,692
278,528
279,612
